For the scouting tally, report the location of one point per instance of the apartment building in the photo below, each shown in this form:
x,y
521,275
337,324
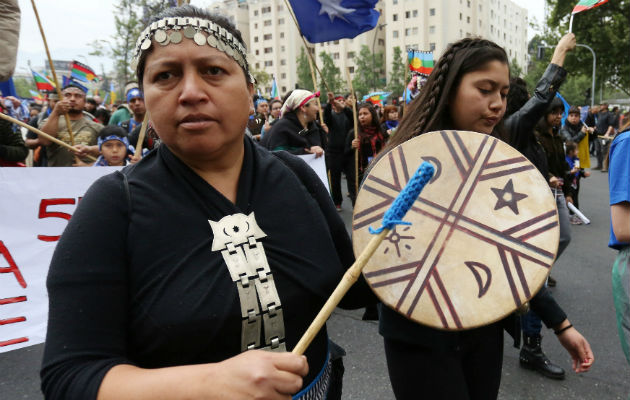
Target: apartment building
x,y
432,25
274,44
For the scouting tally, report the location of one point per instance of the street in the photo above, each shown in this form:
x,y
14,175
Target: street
x,y
583,290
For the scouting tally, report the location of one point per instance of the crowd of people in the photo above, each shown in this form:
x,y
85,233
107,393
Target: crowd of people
x,y
191,321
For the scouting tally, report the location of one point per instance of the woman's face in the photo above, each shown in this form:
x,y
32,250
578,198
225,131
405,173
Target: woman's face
x,y
198,98
263,108
480,99
365,117
574,118
276,108
554,118
310,110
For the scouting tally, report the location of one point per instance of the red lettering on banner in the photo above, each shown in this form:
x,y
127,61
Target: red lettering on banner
x,y
12,268
11,300
44,213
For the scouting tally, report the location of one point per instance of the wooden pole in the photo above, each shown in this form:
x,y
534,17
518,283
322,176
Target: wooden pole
x,y
349,278
52,70
406,87
356,133
43,134
319,104
143,130
310,56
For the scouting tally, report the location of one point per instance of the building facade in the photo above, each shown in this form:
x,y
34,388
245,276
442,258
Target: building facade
x,y
274,44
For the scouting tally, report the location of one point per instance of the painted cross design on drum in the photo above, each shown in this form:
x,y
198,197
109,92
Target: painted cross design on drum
x,y
484,234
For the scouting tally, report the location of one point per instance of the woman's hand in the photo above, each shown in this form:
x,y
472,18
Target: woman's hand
x,y
259,374
579,349
355,143
554,182
325,127
318,151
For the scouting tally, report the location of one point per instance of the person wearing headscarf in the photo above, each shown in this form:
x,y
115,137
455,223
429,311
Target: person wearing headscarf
x,y
298,131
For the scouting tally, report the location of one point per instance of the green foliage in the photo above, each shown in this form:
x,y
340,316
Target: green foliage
x,y
515,69
332,75
369,72
304,72
262,78
606,29
396,83
23,85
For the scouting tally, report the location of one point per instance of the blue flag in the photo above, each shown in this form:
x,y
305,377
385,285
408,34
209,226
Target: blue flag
x,y
70,80
326,20
566,105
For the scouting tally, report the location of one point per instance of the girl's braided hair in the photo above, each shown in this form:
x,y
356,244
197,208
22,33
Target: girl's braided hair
x,y
429,111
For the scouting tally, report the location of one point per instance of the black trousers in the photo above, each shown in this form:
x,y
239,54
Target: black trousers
x,y
336,164
471,370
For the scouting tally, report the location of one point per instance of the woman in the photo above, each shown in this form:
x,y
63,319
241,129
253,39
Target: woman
x,y
257,121
371,139
467,91
297,131
172,269
275,109
619,189
389,122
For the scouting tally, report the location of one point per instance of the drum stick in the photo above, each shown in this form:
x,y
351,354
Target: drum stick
x,y
392,217
578,213
43,134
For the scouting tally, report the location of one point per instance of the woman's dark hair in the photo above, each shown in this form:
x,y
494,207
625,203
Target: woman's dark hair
x,y
110,130
575,110
102,114
555,106
274,101
429,110
191,12
372,111
517,96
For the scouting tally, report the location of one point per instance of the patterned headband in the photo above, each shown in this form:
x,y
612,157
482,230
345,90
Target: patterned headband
x,y
191,28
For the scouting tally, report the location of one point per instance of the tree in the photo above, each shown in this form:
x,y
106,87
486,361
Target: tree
x,y
262,77
23,85
515,69
304,72
606,29
369,72
331,73
396,85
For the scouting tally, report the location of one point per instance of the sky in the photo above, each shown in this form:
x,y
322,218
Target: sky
x,y
70,25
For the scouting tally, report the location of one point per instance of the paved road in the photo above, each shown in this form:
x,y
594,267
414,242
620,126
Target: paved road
x,y
584,290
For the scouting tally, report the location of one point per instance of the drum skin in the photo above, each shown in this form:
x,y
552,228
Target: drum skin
x,y
483,236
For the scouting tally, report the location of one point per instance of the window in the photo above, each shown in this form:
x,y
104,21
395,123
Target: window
x,y
394,34
395,2
350,54
283,62
281,35
468,3
431,12
432,29
267,36
336,42
267,22
265,10
257,52
255,39
460,16
335,56
414,31
394,17
268,50
431,46
284,89
414,13
407,31
468,19
283,48
256,25
283,75
269,63
257,65
280,21
407,14
280,7
255,12
351,70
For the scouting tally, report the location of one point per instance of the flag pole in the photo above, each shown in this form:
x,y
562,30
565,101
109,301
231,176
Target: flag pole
x,y
406,86
306,45
143,129
356,133
52,69
319,104
571,23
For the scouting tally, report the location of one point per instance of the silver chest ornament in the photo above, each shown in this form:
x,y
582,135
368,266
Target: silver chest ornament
x,y
236,237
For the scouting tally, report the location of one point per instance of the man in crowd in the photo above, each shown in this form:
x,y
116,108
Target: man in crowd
x,y
123,113
40,158
85,130
135,102
605,126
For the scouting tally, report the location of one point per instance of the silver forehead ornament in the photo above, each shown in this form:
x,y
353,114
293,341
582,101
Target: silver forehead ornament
x,y
195,29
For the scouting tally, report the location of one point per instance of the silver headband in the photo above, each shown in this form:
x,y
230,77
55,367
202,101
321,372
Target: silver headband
x,y
192,28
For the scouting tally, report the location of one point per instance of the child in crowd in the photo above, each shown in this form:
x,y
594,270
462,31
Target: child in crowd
x,y
114,147
572,183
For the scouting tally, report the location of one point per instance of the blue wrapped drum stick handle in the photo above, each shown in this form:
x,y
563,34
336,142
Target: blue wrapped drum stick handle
x,y
394,215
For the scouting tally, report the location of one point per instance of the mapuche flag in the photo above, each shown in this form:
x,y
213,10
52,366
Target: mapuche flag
x,y
584,5
421,61
42,83
82,72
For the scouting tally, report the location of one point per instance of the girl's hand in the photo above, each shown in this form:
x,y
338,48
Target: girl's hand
x,y
355,143
579,349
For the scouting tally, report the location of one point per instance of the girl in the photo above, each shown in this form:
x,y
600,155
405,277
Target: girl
x,y
466,91
371,139
389,122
